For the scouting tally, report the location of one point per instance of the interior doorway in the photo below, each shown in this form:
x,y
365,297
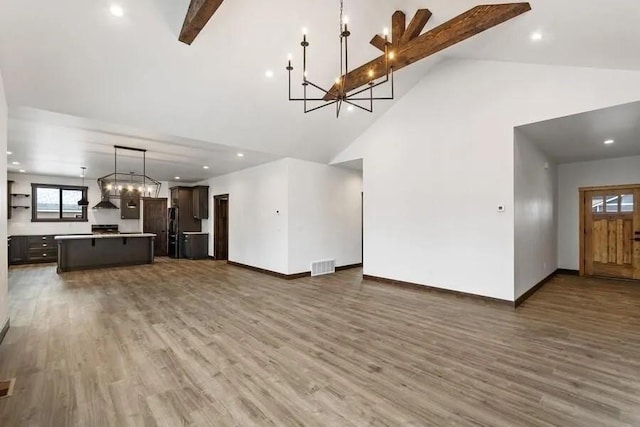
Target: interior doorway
x,y
221,227
154,220
610,237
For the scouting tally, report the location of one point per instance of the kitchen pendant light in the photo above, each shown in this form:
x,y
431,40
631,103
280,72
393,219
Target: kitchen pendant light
x,y
114,185
83,201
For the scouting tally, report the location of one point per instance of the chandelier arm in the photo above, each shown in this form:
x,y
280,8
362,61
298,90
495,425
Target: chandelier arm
x,y
320,106
350,96
318,87
366,89
358,106
375,98
310,99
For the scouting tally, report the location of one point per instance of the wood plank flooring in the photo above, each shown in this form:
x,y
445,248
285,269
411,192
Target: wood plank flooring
x,y
201,343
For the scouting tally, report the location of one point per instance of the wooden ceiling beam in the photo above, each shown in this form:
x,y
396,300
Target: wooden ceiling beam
x,y
199,13
416,25
458,29
378,42
398,25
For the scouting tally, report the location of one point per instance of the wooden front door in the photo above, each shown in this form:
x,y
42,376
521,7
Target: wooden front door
x,y
221,227
610,242
155,221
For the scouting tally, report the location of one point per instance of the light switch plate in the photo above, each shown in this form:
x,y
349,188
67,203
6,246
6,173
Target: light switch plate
x,y
501,208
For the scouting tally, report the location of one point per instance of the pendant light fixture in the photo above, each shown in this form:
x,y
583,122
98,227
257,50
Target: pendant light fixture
x,y
114,185
83,201
357,98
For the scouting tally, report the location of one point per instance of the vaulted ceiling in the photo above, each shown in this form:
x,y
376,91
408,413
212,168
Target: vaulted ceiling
x,y
131,76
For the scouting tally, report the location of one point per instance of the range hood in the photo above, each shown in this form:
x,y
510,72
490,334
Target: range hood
x,y
105,203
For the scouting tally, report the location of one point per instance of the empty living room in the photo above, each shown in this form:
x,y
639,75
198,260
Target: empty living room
x,y
319,213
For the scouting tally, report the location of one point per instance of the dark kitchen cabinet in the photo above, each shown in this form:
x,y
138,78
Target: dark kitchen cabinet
x,y
18,249
195,246
201,202
125,211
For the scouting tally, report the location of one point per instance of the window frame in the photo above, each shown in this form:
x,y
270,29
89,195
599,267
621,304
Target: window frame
x,y
60,188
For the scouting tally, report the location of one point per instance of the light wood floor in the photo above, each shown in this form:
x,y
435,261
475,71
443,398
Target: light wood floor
x,y
202,343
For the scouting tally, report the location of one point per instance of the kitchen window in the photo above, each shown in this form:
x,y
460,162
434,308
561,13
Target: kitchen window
x,y
57,203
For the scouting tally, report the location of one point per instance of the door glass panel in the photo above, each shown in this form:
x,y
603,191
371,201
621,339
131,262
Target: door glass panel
x,y
597,204
612,204
626,204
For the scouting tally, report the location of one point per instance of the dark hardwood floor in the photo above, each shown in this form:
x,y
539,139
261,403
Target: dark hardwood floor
x,y
206,344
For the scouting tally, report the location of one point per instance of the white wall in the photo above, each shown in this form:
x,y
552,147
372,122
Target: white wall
x,y
535,215
285,214
258,215
20,222
571,177
324,215
441,160
4,297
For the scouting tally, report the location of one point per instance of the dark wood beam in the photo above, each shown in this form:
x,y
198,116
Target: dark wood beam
x,y
378,42
416,25
398,25
199,13
458,29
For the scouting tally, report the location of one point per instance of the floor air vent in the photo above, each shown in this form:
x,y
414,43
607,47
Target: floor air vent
x,y
319,268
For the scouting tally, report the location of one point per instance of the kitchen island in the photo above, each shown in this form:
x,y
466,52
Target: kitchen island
x,y
84,252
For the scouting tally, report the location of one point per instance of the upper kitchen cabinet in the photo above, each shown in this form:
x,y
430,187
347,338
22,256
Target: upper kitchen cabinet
x,y
201,202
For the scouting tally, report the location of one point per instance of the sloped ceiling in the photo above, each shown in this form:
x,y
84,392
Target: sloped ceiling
x,y
72,57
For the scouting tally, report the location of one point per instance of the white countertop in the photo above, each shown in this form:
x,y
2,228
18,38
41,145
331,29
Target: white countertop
x,y
103,236
195,232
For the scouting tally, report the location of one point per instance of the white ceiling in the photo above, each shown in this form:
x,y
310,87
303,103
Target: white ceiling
x,y
581,137
130,79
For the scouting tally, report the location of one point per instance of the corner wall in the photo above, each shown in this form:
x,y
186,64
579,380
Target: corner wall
x,y
325,215
535,215
441,160
4,286
258,215
285,214
571,177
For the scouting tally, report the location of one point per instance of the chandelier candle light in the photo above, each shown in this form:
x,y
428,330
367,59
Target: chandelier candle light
x,y
359,98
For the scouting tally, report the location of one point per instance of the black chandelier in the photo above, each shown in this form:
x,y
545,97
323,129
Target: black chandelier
x,y
359,98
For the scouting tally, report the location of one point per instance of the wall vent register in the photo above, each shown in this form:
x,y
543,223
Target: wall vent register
x,y
318,268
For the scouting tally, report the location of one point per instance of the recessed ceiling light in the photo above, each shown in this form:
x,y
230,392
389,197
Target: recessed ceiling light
x,y
177,177
350,108
116,10
205,167
268,74
536,36
15,163
609,141
240,154
22,171
9,153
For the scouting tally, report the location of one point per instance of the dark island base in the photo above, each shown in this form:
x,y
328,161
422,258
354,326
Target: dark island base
x,y
86,254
